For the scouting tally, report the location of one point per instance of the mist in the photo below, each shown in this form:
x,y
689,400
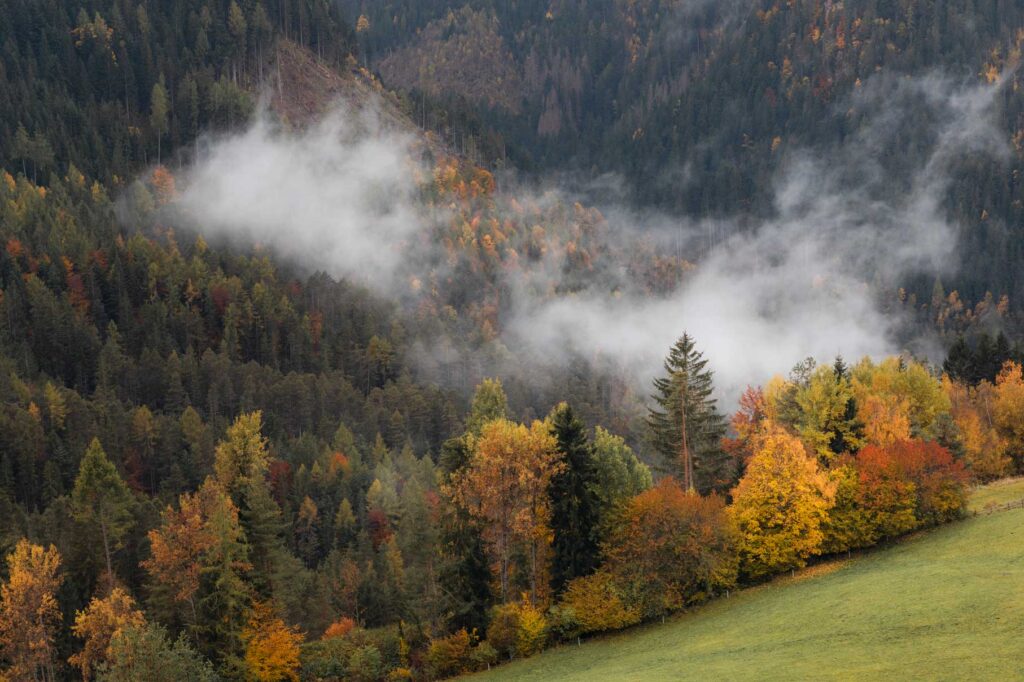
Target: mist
x,y
850,223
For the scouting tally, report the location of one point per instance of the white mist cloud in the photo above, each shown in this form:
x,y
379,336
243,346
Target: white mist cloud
x,y
797,285
340,196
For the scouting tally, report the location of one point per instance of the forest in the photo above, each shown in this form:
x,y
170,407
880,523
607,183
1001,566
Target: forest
x,y
219,463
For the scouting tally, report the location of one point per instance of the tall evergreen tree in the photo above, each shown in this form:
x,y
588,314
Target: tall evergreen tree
x,y
685,426
574,506
102,501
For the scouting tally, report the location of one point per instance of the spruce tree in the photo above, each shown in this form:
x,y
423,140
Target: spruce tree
x,y
574,511
685,426
959,362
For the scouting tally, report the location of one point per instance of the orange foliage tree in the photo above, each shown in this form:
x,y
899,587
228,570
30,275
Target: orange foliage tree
x,y
669,547
909,484
985,448
98,624
29,613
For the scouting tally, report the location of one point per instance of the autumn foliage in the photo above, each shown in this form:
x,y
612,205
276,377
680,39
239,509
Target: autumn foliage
x,y
671,547
271,646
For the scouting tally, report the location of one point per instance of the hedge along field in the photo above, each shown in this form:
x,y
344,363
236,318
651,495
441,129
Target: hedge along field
x,y
945,604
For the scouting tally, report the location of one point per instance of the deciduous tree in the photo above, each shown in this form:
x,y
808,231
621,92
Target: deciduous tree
x,y
779,505
29,612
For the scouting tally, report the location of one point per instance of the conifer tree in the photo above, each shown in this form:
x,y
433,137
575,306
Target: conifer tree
x,y
685,426
959,362
574,512
101,500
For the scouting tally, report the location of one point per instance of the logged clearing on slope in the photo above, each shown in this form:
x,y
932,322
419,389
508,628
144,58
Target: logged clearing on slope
x,y
946,604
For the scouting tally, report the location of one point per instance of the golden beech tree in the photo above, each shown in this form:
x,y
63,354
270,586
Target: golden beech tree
x,y
271,646
29,612
1008,409
886,419
505,486
780,505
98,624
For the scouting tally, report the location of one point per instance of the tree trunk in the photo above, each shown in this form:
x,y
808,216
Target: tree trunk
x,y
106,551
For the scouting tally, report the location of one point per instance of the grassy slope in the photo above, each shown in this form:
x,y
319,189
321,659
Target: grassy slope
x,y
947,604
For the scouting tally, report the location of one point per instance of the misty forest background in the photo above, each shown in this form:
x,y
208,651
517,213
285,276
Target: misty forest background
x,y
216,463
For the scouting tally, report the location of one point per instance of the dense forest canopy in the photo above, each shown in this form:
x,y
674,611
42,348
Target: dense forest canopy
x,y
698,105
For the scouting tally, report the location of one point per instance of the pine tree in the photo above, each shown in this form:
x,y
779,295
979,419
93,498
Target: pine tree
x,y
574,512
102,500
685,427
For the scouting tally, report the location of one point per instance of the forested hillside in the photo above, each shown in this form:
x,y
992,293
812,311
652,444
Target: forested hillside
x,y
218,461
698,106
115,86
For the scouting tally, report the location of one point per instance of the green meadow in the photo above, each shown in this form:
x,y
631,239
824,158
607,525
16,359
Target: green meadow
x,y
944,604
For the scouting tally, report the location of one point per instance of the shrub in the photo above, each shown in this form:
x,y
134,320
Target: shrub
x,y
365,664
483,656
532,632
501,631
450,655
597,604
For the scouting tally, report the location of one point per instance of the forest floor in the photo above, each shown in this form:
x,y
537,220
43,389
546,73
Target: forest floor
x,y
943,604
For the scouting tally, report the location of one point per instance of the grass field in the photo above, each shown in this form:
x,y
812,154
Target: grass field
x,y
947,604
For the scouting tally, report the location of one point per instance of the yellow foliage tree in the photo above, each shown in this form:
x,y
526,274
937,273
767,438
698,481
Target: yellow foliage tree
x,y
242,456
29,613
1008,408
779,505
98,624
505,486
271,646
597,604
894,390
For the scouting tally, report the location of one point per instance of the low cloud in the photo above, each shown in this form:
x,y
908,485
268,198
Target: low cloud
x,y
343,196
339,196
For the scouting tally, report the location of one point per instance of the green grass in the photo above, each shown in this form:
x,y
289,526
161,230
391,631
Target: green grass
x,y
946,604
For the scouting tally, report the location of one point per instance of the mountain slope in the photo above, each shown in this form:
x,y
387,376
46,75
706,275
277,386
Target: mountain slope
x,y
946,605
